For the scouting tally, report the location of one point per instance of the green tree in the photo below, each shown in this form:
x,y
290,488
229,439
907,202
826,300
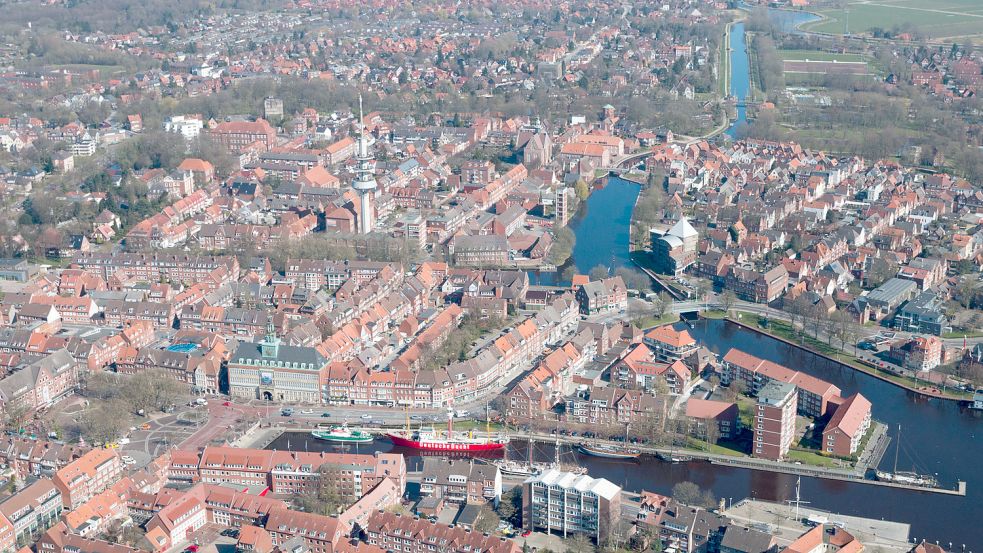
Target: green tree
x,y
581,190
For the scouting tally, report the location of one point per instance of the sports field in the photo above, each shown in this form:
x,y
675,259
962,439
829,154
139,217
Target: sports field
x,y
937,19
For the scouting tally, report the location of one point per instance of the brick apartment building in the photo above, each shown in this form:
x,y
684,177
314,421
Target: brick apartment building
x,y
393,532
847,427
88,475
461,481
236,135
774,420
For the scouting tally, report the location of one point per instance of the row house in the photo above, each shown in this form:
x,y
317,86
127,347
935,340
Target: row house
x,y
160,267
757,286
601,296
93,516
668,344
394,532
39,383
289,472
59,539
119,312
30,512
641,369
87,476
34,458
610,406
461,481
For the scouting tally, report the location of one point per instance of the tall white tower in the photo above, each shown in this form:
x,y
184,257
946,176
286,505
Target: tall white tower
x,y
364,183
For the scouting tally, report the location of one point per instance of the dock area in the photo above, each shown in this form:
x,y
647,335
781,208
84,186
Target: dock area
x,y
781,521
827,473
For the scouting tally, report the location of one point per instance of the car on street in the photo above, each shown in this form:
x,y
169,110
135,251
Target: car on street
x,y
325,414
287,412
227,404
416,417
366,416
378,422
526,533
127,460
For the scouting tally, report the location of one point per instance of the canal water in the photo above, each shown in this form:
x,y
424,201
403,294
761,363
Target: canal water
x,y
938,437
602,226
740,80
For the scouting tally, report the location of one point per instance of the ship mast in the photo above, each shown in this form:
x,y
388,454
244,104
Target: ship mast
x,y
897,447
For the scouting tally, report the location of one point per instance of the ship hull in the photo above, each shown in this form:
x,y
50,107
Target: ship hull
x,y
341,439
444,446
608,454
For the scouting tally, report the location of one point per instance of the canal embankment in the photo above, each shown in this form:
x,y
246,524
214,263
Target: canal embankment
x,y
856,475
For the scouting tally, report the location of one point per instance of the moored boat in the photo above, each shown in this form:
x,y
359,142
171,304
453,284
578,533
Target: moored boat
x,y
430,439
609,451
343,434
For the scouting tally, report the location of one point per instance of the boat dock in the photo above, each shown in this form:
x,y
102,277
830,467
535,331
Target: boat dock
x,y
827,473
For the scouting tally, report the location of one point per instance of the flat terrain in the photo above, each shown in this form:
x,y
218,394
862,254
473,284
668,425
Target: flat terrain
x,y
934,18
818,55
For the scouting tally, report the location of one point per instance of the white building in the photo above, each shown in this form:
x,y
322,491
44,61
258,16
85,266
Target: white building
x,y
570,504
186,125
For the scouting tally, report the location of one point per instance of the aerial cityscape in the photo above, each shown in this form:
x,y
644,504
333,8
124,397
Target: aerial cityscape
x,y
554,276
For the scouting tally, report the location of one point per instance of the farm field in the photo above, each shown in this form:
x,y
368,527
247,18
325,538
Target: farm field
x,y
817,55
933,18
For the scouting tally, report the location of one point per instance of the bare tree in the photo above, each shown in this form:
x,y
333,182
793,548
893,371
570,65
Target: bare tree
x,y
728,299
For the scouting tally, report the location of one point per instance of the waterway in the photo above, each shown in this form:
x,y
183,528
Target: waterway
x,y
938,437
602,226
740,76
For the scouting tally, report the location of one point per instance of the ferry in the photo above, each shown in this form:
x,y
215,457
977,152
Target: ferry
x,y
609,451
343,434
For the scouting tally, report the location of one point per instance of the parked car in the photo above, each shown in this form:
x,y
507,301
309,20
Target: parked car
x,y
325,414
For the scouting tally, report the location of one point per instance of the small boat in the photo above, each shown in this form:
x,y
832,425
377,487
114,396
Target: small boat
x,y
517,468
609,451
343,434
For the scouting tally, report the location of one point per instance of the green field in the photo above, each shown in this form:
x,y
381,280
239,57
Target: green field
x,y
817,55
933,18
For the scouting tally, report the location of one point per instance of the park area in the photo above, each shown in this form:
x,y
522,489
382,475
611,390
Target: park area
x,y
936,19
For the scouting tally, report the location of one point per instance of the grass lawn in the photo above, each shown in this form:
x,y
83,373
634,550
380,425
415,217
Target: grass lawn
x,y
713,314
810,458
817,55
972,334
934,18
720,448
649,322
